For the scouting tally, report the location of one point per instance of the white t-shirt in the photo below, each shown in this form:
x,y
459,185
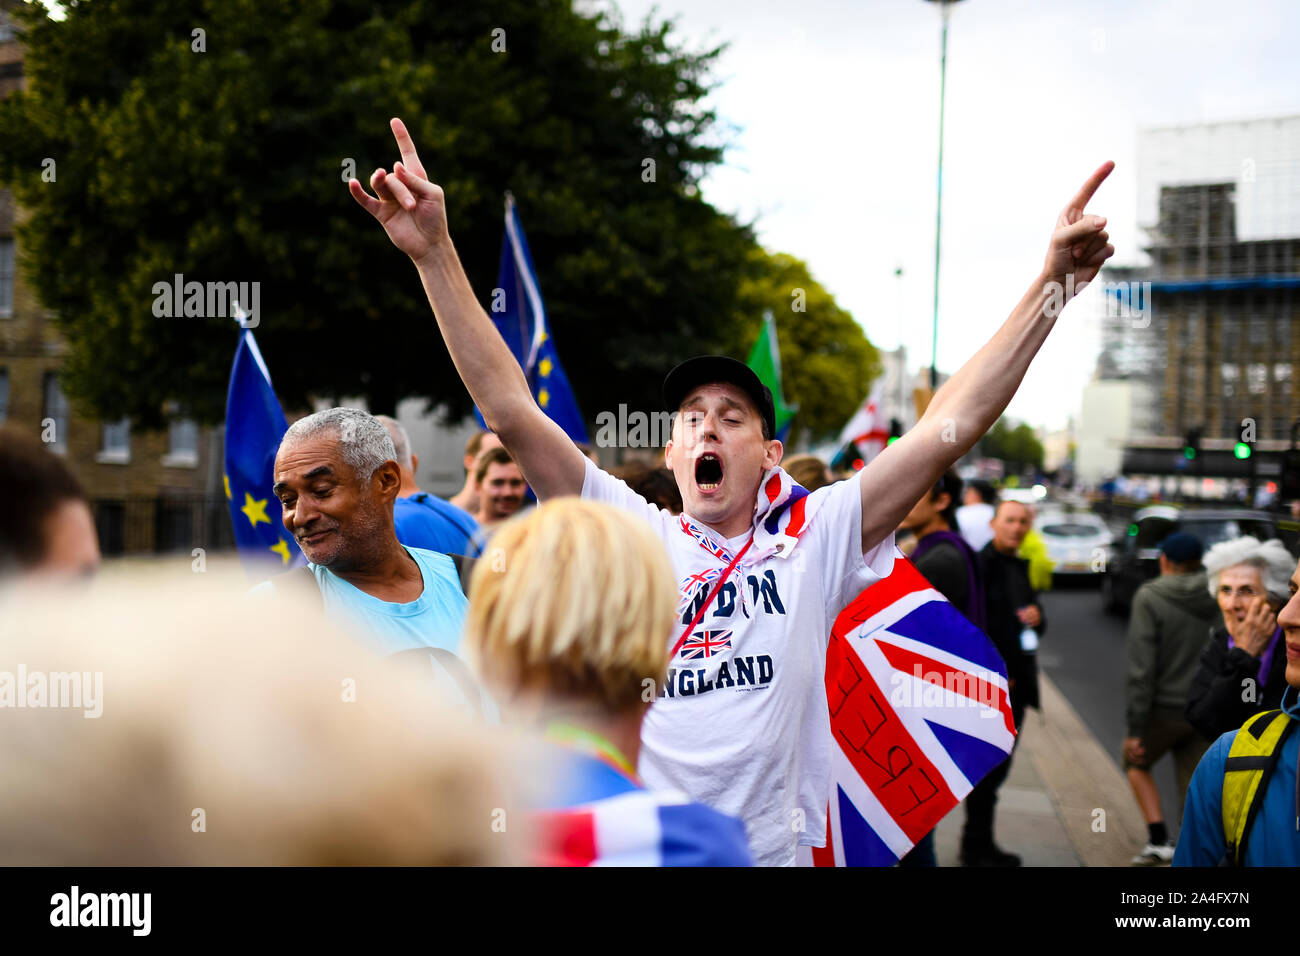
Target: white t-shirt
x,y
742,724
973,523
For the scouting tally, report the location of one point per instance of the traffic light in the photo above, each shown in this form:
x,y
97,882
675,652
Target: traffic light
x,y
895,431
1242,450
1192,443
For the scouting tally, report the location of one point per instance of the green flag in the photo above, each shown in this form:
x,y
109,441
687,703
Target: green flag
x,y
765,360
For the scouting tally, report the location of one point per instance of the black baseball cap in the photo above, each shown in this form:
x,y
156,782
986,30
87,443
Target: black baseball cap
x,y
713,369
1181,548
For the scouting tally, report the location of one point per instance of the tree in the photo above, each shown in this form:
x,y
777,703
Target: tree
x,y
1018,446
826,361
210,138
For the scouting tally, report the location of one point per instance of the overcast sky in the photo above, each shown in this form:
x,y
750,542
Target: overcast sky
x,y
833,116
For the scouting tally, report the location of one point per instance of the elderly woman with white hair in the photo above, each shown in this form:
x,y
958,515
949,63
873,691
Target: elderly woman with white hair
x,y
1242,671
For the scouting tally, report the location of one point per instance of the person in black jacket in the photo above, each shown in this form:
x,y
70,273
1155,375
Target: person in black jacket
x,y
1013,621
1242,669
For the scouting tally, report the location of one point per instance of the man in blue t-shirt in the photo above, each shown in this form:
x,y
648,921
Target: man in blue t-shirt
x,y
336,478
424,520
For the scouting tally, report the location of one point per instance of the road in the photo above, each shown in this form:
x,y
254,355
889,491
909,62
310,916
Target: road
x,y
1083,652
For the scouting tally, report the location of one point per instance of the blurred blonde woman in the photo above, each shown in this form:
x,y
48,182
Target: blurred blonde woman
x,y
178,723
571,611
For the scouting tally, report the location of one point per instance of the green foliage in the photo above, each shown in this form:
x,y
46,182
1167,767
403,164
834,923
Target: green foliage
x,y
1017,446
827,364
226,165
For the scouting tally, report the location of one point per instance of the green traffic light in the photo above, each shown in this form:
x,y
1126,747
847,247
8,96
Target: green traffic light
x,y
1189,452
892,439
1242,450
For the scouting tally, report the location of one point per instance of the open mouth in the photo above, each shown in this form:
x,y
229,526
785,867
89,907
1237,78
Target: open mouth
x,y
708,472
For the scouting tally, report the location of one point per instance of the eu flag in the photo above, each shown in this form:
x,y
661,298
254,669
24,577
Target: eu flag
x,y
520,317
254,426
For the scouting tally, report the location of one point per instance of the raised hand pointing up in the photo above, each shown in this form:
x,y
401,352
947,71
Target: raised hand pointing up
x,y
1080,243
409,207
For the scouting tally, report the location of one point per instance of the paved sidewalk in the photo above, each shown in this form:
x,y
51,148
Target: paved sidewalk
x,y
1065,802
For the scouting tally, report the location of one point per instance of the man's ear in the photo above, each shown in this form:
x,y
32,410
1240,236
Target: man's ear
x,y
415,464
668,455
772,456
387,479
943,502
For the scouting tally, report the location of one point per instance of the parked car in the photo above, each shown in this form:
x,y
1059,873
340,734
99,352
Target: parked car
x,y
1135,557
1077,542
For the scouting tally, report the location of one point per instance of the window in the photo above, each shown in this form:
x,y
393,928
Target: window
x,y
182,444
6,278
54,420
1257,378
115,444
1229,381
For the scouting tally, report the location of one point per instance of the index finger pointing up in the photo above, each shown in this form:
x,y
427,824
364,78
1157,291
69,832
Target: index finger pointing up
x,y
404,142
1081,198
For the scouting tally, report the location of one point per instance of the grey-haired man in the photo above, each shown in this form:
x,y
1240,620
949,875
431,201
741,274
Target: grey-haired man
x,y
336,478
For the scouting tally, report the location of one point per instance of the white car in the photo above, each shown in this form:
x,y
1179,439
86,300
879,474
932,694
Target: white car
x,y
1077,542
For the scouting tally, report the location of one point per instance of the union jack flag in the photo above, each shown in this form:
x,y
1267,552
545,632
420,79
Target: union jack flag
x,y
919,712
691,585
704,644
706,540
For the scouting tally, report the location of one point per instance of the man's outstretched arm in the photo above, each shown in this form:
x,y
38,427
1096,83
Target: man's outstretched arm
x,y
412,212
971,401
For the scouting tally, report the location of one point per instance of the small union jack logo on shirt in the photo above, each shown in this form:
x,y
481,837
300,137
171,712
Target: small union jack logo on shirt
x,y
703,644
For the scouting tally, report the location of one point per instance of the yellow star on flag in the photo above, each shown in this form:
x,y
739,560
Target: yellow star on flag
x,y
225,479
255,510
543,397
544,367
281,548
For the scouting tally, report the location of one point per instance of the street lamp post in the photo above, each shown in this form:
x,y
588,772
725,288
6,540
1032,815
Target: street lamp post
x,y
938,206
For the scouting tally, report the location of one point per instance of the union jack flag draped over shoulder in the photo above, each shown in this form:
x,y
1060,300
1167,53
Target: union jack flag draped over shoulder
x,y
919,713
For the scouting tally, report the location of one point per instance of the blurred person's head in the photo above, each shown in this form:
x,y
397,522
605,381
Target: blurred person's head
x,y
1011,522
1180,553
501,486
478,443
336,477
655,485
809,471
226,730
1243,569
937,509
979,492
407,461
1289,620
572,612
46,526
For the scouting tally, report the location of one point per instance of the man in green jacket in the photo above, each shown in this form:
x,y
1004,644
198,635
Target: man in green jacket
x,y
1167,631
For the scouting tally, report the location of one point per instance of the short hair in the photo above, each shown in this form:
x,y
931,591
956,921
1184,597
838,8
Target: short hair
x,y
398,776
807,470
656,485
34,482
364,441
475,443
997,508
985,490
950,484
493,456
1275,564
401,441
577,603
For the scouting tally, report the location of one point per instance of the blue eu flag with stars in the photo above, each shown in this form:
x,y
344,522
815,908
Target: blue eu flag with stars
x,y
254,426
520,317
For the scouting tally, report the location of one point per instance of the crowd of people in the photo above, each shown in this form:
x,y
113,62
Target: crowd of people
x,y
632,669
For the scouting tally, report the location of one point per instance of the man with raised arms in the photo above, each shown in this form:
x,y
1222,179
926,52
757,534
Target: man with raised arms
x,y
763,567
